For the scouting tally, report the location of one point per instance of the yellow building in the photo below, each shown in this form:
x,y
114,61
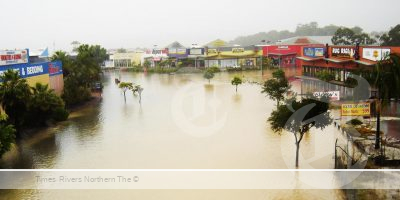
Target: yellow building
x,y
236,56
128,59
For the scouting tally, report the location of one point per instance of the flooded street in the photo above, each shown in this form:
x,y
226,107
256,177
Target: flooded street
x,y
182,123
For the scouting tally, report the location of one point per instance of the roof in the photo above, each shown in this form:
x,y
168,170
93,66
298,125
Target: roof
x,y
338,60
368,63
217,43
306,40
175,45
309,58
282,54
43,53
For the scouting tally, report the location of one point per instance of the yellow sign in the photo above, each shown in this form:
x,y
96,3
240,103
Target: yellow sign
x,y
360,109
212,51
237,50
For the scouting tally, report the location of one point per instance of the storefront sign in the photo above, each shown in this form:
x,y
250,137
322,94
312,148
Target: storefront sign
x,y
212,51
237,50
29,70
360,109
196,51
375,54
313,51
343,52
180,51
333,95
55,68
14,57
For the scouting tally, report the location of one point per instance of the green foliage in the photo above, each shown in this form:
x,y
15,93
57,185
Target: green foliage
x,y
7,137
15,94
146,64
45,105
208,74
347,36
276,87
355,122
325,76
80,74
121,50
300,118
236,81
386,77
214,69
310,29
392,38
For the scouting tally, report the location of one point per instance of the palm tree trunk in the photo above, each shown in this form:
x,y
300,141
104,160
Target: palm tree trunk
x,y
236,88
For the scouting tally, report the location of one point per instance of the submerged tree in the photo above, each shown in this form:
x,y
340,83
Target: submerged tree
x,y
138,89
125,86
300,118
208,74
236,81
276,87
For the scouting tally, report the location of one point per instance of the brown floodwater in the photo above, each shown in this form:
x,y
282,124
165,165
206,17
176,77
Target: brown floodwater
x,y
182,123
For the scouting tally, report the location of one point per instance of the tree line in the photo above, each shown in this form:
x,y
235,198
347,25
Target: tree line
x,y
23,107
342,35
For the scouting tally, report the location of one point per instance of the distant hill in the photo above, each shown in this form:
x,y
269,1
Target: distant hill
x,y
310,29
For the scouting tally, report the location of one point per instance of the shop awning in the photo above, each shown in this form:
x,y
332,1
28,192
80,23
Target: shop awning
x,y
309,59
337,60
365,62
281,54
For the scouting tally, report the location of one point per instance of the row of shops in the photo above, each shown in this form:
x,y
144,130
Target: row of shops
x,y
340,61
310,54
44,72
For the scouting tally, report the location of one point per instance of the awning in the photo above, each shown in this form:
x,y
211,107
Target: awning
x,y
309,59
337,60
281,54
365,62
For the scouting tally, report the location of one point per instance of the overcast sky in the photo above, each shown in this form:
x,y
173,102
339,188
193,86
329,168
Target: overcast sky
x,y
127,23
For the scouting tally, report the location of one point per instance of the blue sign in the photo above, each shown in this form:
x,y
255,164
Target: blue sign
x,y
313,51
35,69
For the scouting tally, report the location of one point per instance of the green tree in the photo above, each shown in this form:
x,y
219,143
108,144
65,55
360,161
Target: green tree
x,y
386,77
15,95
65,60
208,74
347,36
308,113
121,50
343,36
125,86
276,87
146,63
392,38
236,81
7,137
44,105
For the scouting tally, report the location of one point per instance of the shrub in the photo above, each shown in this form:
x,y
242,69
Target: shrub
x,y
60,114
355,122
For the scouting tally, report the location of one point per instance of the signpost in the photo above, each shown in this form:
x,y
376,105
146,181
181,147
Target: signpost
x,y
10,57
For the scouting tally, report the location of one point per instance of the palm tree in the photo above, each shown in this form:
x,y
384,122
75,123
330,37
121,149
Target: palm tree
x,y
14,94
43,104
387,83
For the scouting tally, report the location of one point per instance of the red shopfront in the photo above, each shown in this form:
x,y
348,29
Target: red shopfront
x,y
285,55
